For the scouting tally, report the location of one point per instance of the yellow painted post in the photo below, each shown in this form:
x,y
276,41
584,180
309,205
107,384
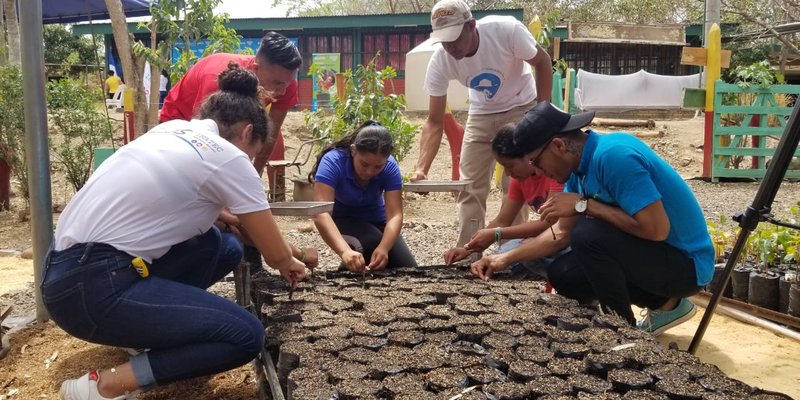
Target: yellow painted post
x,y
713,72
713,61
535,26
127,103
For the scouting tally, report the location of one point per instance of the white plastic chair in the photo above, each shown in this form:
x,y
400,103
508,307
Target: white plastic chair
x,y
116,101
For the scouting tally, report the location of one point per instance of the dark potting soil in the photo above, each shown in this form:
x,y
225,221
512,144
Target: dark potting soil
x,y
440,379
668,371
501,359
346,370
588,383
441,338
680,389
601,363
513,329
644,395
308,389
497,340
409,314
473,333
537,354
610,321
361,389
366,329
723,384
403,383
482,375
572,350
525,370
402,326
507,391
566,366
302,374
629,379
534,341
598,396
336,331
575,324
332,345
458,393
437,325
369,342
406,338
545,385
358,354
338,348
440,311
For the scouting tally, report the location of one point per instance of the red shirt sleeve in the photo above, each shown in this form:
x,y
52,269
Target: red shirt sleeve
x,y
555,186
515,190
289,99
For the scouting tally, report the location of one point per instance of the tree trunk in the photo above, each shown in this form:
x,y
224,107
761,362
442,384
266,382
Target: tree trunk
x,y
3,43
130,67
155,80
12,26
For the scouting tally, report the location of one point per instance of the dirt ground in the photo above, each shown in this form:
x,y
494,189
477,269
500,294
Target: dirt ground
x,y
43,355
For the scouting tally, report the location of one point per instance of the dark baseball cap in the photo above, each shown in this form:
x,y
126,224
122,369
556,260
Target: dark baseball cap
x,y
544,121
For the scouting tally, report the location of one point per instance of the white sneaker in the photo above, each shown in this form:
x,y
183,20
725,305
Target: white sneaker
x,y
84,388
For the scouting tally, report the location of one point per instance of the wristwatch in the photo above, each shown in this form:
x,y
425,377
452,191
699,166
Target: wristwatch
x,y
581,205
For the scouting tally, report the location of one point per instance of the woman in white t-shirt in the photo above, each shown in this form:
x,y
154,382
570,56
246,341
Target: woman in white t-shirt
x,y
136,248
163,82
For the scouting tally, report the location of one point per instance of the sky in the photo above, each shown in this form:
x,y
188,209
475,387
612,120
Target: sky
x,y
251,9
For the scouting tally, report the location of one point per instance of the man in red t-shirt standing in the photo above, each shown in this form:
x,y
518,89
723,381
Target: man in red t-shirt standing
x,y
275,64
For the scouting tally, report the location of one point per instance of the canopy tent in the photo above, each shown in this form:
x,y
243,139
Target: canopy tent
x,y
70,11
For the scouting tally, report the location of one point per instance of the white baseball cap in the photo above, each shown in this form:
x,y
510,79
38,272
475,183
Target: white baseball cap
x,y
448,18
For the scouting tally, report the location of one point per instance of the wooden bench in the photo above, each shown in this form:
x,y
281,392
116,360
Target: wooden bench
x,y
435,186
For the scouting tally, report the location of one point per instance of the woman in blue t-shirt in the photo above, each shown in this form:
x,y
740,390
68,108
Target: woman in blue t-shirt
x,y
363,180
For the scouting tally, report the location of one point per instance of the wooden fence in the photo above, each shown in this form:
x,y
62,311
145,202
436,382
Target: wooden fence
x,y
748,123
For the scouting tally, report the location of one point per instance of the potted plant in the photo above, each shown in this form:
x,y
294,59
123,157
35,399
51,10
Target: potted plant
x,y
763,283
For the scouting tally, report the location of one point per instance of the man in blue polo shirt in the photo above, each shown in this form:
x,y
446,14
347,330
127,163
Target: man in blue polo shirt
x,y
637,233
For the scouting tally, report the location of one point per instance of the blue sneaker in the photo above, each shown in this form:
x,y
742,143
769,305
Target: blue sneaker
x,y
658,321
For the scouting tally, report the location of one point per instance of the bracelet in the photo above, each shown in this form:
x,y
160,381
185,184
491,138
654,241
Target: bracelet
x,y
498,235
302,255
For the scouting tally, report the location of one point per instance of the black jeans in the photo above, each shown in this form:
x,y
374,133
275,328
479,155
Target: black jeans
x,y
370,235
618,269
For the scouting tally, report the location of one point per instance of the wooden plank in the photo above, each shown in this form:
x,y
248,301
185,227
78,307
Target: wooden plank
x,y
748,130
300,208
435,186
698,56
271,375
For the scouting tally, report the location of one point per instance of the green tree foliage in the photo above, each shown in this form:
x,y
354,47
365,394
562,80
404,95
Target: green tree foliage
x,y
83,128
631,11
181,23
12,126
364,99
62,47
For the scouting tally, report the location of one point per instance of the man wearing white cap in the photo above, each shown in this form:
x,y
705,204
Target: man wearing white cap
x,y
493,59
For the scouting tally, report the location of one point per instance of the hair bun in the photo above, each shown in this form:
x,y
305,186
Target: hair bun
x,y
238,80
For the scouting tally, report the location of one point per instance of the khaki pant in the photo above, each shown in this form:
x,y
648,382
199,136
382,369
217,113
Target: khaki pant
x,y
477,168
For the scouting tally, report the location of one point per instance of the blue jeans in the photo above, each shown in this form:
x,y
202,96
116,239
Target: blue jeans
x,y
92,292
619,269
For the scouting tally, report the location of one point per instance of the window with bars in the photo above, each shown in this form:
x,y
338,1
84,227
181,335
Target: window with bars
x,y
311,44
392,48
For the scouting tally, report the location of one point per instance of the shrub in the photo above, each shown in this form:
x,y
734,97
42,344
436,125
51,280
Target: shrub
x,y
12,126
74,114
364,99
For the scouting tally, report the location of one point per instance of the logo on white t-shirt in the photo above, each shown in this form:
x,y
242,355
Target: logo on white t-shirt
x,y
486,83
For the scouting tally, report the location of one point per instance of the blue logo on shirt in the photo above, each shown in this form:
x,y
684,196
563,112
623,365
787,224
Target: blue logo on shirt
x,y
486,83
